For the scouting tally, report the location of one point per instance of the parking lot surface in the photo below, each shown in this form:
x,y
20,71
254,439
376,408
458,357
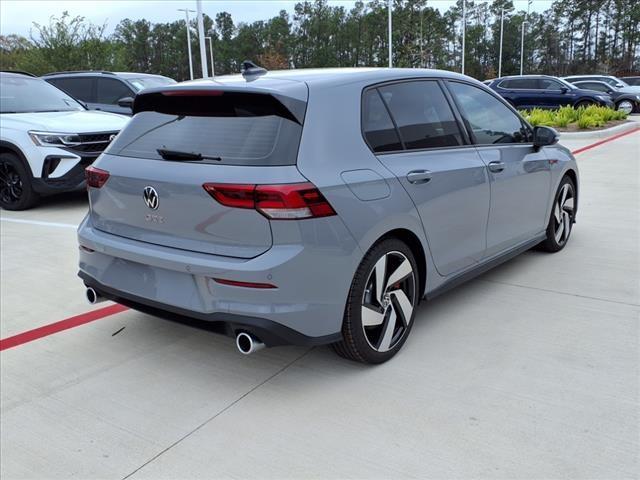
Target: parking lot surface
x,y
528,371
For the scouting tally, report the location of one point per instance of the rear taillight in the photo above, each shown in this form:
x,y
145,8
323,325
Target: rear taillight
x,y
292,201
95,177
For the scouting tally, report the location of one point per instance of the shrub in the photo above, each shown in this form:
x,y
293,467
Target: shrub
x,y
584,117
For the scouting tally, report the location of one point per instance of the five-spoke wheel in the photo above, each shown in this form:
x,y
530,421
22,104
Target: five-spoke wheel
x,y
562,217
381,303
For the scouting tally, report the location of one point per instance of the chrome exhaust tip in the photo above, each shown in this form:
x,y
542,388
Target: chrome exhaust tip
x,y
247,343
93,297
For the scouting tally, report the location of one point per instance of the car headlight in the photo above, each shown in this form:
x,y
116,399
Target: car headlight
x,y
51,139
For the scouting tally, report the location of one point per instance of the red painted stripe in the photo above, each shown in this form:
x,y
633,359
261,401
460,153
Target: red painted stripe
x,y
606,140
56,327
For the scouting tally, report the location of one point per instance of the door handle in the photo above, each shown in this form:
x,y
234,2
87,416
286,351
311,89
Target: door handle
x,y
496,167
419,176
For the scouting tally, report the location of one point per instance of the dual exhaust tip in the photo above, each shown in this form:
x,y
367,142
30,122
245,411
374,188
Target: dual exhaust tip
x,y
246,343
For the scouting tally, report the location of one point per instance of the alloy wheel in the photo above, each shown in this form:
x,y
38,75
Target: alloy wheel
x,y
11,188
388,301
563,214
625,106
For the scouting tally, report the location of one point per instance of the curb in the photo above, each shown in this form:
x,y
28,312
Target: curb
x,y
625,127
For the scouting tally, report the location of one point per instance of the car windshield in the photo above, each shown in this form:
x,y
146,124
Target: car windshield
x,y
21,94
147,82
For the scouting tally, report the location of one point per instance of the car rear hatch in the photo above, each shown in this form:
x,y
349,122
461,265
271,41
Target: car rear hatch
x,y
150,183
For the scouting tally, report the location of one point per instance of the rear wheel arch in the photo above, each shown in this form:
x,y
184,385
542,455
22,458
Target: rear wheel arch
x,y
415,245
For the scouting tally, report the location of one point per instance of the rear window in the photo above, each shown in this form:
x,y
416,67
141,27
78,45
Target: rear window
x,y
233,128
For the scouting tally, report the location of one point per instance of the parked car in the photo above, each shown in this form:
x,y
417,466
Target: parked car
x,y
290,238
627,102
107,91
612,81
46,140
542,91
631,81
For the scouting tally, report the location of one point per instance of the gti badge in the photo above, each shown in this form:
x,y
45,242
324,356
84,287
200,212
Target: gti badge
x,y
151,198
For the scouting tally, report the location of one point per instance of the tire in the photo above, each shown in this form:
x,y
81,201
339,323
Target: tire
x,y
387,312
625,106
562,217
16,190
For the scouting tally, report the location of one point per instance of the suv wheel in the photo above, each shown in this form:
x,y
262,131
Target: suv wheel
x,y
16,192
381,304
562,217
625,106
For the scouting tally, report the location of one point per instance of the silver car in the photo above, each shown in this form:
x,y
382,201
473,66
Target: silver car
x,y
317,207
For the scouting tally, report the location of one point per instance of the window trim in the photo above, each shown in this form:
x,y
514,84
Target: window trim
x,y
495,95
439,81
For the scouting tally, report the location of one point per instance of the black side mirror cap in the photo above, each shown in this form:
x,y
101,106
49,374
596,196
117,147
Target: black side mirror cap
x,y
564,89
544,136
125,102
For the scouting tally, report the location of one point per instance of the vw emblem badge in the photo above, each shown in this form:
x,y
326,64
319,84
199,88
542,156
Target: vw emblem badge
x,y
151,198
111,137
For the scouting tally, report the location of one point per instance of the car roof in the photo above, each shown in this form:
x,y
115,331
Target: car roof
x,y
97,73
325,77
590,75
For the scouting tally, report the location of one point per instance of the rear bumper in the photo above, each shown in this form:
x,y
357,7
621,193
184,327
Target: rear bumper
x,y
269,332
313,275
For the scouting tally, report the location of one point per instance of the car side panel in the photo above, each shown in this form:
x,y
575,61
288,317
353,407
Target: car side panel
x,y
332,145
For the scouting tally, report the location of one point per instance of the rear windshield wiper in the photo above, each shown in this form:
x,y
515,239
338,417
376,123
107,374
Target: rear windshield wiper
x,y
178,156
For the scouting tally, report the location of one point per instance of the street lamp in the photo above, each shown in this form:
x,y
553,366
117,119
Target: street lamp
x,y
211,53
186,12
501,37
389,7
524,22
203,50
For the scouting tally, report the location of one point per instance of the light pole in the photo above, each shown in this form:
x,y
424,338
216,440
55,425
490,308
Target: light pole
x,y
501,37
524,22
464,30
186,12
389,7
211,53
203,49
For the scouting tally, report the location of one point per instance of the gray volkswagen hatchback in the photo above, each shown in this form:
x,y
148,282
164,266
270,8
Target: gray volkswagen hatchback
x,y
318,206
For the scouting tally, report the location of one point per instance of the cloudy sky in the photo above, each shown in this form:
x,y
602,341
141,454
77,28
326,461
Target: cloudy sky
x,y
17,16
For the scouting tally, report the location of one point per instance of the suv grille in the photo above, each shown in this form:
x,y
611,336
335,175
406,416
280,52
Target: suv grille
x,y
92,143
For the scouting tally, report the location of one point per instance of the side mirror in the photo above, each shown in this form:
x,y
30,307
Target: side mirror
x,y
564,89
125,102
544,136
619,85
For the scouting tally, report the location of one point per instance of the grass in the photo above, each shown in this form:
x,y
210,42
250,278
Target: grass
x,y
584,117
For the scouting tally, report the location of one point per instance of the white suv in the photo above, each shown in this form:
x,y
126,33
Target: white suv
x,y
47,139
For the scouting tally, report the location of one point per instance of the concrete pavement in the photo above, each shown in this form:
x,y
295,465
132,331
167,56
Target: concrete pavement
x,y
528,371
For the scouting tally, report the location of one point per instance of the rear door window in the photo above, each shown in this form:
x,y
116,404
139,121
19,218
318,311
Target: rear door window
x,y
422,114
111,90
227,128
81,88
520,84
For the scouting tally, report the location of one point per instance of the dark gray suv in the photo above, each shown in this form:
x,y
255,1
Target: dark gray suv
x,y
108,91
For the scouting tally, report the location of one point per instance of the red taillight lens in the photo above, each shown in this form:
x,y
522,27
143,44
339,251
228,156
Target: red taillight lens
x,y
294,201
231,195
95,177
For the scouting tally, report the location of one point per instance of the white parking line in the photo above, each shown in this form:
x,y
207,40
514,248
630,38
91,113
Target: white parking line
x,y
37,222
